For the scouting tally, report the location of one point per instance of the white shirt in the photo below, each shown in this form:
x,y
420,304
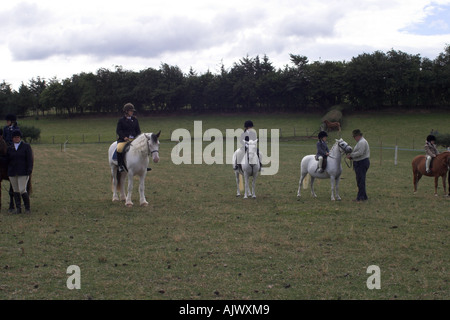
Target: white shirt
x,y
361,150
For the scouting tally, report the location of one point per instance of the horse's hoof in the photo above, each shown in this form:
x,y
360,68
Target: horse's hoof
x,y
115,200
129,205
144,204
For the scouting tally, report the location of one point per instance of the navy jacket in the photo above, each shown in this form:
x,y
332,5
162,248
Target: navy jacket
x,y
322,149
20,161
127,127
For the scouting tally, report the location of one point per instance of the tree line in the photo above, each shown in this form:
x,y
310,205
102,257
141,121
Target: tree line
x,y
370,81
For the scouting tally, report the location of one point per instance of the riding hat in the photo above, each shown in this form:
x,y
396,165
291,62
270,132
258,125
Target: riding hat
x,y
11,117
357,132
128,107
431,138
322,134
16,133
248,124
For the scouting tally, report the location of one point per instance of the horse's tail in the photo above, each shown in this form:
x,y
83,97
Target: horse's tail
x,y
306,181
119,182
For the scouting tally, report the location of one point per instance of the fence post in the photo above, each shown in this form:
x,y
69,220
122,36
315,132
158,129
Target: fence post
x,y
396,152
381,151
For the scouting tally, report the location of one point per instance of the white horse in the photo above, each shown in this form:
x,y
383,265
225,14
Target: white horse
x,y
333,170
136,161
250,167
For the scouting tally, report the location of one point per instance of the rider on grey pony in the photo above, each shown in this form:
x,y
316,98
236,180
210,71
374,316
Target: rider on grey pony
x,y
248,134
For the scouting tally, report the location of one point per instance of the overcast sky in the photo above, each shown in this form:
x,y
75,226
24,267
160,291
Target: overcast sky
x,y
56,38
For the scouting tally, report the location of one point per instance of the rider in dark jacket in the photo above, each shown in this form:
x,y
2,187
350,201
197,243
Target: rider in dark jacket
x,y
127,130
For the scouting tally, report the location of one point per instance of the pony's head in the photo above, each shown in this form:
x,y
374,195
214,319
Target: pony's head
x,y
344,146
153,145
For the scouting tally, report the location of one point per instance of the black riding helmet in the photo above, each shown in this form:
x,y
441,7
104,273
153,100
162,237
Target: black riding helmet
x,y
322,134
248,124
11,117
431,138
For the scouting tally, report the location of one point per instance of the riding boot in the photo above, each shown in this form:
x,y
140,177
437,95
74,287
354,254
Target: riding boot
x,y
319,166
12,208
26,202
18,204
120,162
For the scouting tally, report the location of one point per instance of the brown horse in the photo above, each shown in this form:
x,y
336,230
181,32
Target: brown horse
x,y
330,126
440,166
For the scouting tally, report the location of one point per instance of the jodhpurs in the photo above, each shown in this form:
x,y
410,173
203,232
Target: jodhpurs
x,y
19,183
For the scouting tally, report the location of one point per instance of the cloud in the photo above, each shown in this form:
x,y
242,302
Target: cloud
x,y
143,36
59,38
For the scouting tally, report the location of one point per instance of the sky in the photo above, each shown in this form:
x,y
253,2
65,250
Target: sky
x,y
59,38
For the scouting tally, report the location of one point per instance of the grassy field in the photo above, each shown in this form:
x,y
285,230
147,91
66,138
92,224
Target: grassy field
x,y
196,240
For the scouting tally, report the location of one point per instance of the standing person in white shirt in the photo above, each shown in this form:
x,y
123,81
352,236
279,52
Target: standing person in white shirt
x,y
361,163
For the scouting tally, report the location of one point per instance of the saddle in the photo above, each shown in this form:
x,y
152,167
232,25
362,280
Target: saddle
x,y
122,147
324,162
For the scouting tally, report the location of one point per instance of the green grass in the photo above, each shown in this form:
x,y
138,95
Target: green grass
x,y
196,240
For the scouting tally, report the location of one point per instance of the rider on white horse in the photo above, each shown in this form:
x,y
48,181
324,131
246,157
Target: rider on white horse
x,y
249,134
322,151
127,130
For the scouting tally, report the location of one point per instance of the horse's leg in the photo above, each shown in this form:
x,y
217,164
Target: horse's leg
x,y
312,187
436,185
417,176
128,201
114,184
443,183
333,182
142,199
300,182
238,193
338,197
246,186
255,174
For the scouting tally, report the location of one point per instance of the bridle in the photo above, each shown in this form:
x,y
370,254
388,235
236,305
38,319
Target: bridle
x,y
150,152
342,150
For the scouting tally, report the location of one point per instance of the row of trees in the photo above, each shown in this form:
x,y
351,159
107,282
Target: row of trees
x,y
367,82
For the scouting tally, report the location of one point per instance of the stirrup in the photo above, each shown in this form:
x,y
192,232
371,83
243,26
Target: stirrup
x,y
121,169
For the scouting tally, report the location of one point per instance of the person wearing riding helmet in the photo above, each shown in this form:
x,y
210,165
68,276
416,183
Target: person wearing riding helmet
x,y
322,151
20,167
431,151
11,125
127,130
248,134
